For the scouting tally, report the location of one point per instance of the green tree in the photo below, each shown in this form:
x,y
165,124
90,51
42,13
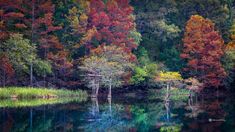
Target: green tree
x,y
21,52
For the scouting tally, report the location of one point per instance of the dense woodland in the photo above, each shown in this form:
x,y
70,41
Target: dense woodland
x,y
70,43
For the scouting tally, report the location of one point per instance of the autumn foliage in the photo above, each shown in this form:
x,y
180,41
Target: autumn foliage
x,y
203,48
6,68
113,21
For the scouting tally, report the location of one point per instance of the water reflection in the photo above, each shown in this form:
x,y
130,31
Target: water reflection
x,y
123,115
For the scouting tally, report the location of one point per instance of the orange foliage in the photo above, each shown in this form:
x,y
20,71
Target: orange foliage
x,y
203,49
6,66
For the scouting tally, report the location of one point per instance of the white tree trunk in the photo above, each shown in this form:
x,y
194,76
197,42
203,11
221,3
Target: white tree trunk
x,y
110,89
32,35
97,89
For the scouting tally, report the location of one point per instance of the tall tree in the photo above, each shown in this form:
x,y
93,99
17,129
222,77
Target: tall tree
x,y
114,23
229,58
20,53
203,49
109,63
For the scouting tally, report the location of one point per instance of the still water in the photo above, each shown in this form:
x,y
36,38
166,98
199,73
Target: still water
x,y
198,114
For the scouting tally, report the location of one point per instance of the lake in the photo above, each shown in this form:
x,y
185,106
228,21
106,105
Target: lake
x,y
131,113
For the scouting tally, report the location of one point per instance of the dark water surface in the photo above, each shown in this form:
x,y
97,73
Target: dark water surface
x,y
198,114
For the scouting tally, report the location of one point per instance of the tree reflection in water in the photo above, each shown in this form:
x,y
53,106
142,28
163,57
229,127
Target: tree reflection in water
x,y
122,115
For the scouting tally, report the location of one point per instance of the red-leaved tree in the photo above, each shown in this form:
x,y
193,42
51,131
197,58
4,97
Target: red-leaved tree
x,y
203,49
113,22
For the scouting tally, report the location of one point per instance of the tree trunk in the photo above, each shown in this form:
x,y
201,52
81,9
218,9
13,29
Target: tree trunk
x,y
167,92
110,106
167,111
93,95
97,89
110,89
31,74
95,107
32,39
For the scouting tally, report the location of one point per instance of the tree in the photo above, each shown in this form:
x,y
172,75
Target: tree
x,y
114,23
219,11
20,53
72,16
139,76
169,78
35,21
229,58
202,50
161,24
108,63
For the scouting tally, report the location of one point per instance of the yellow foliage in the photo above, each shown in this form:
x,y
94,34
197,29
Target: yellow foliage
x,y
87,37
168,76
1,24
230,46
85,4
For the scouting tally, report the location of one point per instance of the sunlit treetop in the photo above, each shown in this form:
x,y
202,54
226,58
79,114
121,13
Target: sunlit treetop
x,y
168,76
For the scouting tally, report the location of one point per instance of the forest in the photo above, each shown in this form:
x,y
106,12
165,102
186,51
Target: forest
x,y
167,65
65,43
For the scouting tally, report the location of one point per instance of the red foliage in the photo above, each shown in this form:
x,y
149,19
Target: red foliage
x,y
19,25
203,49
13,15
113,22
6,68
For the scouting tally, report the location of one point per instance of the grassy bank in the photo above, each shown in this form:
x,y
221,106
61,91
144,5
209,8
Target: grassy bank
x,y
10,103
29,97
29,92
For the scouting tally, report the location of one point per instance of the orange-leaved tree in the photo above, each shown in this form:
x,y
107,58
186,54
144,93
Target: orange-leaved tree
x,y
202,50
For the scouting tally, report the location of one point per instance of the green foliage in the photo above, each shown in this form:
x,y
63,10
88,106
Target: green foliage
x,y
166,31
134,34
20,52
142,56
172,128
139,76
171,58
229,60
146,70
176,94
151,70
42,68
144,74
